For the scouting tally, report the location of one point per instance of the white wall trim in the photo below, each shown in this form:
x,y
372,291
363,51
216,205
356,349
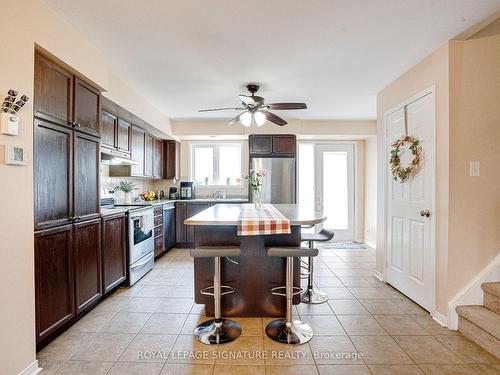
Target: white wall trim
x,y
32,369
379,275
440,318
472,294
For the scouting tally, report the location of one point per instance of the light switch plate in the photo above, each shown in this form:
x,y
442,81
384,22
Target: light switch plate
x,y
474,169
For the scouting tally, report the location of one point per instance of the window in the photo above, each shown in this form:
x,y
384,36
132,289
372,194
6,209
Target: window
x,y
216,164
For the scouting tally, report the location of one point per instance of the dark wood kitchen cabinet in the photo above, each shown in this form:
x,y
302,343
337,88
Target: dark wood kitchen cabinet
x,y
54,282
123,136
86,108
87,159
53,92
109,125
180,216
157,158
87,263
114,250
148,155
193,209
137,151
260,144
171,161
284,144
272,144
53,174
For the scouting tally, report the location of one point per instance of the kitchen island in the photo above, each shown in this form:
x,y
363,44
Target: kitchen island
x,y
255,274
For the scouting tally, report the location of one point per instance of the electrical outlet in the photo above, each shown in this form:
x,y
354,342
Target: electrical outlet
x,y
474,169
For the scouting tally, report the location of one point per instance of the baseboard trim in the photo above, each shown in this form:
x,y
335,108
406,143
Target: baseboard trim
x,y
379,275
440,318
32,369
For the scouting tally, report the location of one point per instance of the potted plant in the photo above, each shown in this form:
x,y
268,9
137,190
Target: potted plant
x,y
126,187
255,181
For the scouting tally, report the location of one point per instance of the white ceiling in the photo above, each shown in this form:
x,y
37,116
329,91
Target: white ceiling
x,y
333,54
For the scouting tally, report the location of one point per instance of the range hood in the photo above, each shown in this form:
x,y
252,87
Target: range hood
x,y
108,157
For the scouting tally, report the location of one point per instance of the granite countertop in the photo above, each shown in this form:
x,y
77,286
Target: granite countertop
x,y
228,214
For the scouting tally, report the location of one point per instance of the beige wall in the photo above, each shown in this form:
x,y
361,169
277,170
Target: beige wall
x,y
370,198
28,23
433,70
474,235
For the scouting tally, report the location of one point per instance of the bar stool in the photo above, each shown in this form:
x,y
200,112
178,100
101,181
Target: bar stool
x,y
311,294
217,330
289,331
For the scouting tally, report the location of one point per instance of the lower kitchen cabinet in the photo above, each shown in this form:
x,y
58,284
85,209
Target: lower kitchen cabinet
x,y
158,230
185,233
87,263
114,251
54,282
180,228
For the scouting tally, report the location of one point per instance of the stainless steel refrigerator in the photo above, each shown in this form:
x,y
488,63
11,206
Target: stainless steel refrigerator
x,y
279,184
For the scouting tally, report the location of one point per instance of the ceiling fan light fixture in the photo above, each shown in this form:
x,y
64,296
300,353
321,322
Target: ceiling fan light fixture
x,y
246,119
260,118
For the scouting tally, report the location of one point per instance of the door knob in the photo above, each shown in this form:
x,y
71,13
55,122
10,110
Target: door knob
x,y
425,213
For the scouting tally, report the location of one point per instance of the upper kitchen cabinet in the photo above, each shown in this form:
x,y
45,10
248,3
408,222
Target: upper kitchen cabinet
x,y
284,144
64,99
53,174
171,160
109,127
86,108
157,158
123,136
148,155
53,99
260,144
87,159
137,151
272,145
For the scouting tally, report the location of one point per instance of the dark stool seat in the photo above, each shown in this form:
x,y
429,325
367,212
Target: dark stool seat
x,y
218,330
311,294
287,330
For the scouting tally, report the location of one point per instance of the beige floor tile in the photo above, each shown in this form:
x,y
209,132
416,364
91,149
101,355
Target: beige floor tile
x,y
355,282
192,321
164,280
432,326
334,350
221,369
400,325
245,350
380,350
361,325
185,369
314,309
250,326
326,282
103,347
65,346
84,368
282,354
125,322
409,307
135,368
381,306
322,271
142,304
171,305
426,350
128,291
149,348
49,367
447,370
367,292
395,370
337,293
112,303
197,308
164,324
466,350
486,369
292,370
155,291
343,370
94,321
190,351
347,307
353,273
324,325
181,292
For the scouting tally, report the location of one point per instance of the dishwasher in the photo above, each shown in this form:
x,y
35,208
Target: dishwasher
x,y
168,225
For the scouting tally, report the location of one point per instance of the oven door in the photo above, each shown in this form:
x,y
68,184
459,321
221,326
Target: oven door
x,y
141,241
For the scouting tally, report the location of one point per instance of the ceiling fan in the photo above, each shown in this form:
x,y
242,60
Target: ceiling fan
x,y
256,110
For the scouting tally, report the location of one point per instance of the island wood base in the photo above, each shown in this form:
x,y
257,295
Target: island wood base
x,y
254,276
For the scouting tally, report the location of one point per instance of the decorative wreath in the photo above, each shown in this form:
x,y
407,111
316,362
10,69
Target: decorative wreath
x,y
399,172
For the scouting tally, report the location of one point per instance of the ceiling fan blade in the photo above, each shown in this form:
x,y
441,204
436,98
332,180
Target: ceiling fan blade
x,y
220,109
273,118
235,120
287,106
250,100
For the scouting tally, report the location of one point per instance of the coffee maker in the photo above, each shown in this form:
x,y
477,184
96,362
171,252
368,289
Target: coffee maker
x,y
172,193
187,190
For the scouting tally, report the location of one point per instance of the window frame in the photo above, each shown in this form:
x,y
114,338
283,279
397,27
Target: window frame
x,y
215,146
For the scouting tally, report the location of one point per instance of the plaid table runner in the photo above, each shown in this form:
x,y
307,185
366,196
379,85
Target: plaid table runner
x,y
259,221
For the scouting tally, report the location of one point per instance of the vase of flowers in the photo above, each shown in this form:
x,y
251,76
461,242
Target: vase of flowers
x,y
127,187
255,181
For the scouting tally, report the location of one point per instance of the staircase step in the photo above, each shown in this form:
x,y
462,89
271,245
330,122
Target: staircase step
x,y
481,326
491,288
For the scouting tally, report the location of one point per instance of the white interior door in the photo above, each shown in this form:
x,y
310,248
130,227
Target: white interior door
x,y
334,182
410,234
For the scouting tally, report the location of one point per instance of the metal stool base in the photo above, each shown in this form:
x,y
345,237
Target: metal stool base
x,y
296,333
212,333
313,296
